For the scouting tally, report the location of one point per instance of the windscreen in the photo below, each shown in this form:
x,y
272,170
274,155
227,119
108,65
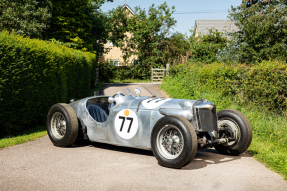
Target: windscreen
x,y
125,92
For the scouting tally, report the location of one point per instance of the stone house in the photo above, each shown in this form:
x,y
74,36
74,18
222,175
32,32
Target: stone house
x,y
115,55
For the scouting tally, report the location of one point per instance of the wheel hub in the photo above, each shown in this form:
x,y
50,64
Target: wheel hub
x,y
58,125
232,130
175,139
170,142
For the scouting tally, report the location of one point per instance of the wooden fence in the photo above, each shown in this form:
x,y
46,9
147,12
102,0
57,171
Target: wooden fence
x,y
157,74
97,77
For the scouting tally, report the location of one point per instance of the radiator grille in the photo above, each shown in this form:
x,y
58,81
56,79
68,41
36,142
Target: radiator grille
x,y
207,119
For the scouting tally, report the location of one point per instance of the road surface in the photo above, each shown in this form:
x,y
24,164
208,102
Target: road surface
x,y
38,165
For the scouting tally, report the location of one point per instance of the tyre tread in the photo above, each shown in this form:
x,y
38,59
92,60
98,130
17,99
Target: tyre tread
x,y
235,150
71,120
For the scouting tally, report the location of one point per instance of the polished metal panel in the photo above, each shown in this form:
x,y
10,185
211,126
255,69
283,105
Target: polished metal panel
x,y
105,132
186,104
209,106
184,113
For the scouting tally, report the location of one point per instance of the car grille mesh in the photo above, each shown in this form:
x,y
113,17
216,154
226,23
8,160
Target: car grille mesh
x,y
207,119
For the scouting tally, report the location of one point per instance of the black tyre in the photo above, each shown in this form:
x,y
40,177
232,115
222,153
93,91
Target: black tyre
x,y
62,125
173,141
237,126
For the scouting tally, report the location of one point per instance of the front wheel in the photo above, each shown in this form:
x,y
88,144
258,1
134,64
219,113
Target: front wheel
x,y
62,125
173,141
234,124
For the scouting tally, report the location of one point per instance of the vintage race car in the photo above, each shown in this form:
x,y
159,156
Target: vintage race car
x,y
174,129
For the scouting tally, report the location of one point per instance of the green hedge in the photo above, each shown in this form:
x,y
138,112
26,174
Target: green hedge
x,y
36,74
264,84
250,90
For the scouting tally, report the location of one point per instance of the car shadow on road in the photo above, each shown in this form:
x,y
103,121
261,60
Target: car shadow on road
x,y
209,156
83,143
202,159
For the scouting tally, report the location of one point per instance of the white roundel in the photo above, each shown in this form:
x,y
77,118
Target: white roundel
x,y
126,124
153,103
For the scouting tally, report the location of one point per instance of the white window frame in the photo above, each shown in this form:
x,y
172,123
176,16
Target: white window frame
x,y
111,43
116,62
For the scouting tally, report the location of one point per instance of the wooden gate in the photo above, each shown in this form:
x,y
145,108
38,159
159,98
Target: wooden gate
x,y
97,77
157,74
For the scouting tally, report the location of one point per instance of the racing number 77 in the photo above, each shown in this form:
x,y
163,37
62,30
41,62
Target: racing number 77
x,y
124,119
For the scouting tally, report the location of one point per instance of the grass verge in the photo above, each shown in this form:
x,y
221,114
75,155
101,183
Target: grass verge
x,y
35,133
269,143
24,137
127,81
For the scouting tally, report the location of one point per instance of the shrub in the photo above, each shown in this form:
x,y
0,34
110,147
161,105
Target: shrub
x,y
205,48
231,87
264,84
36,74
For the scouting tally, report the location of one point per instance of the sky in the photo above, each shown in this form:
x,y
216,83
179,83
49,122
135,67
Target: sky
x,y
186,11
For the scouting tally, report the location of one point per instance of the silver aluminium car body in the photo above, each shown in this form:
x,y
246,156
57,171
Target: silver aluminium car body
x,y
144,112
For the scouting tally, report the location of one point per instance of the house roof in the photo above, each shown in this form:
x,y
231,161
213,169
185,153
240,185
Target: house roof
x,y
128,7
202,26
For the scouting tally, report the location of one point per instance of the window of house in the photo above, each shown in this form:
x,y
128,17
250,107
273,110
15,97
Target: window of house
x,y
115,62
111,43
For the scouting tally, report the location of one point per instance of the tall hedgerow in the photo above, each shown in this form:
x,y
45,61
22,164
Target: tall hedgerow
x,y
265,83
36,74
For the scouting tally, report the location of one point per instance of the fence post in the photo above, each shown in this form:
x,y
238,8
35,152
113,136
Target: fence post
x,y
97,77
167,70
151,75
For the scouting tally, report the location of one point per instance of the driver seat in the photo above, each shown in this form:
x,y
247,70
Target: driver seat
x,y
97,113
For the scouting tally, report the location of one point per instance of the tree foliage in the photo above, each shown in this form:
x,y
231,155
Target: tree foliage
x,y
176,49
79,24
148,31
262,31
24,17
205,48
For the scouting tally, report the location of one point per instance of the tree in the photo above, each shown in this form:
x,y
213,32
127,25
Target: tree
x,y
79,24
148,31
262,31
25,17
205,48
176,49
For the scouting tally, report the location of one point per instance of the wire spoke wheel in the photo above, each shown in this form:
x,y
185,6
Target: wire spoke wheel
x,y
170,142
173,141
58,125
62,125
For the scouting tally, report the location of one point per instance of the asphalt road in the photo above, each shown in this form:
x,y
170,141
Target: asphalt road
x,y
38,165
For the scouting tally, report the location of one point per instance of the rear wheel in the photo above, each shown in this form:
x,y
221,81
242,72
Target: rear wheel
x,y
234,124
62,125
174,141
